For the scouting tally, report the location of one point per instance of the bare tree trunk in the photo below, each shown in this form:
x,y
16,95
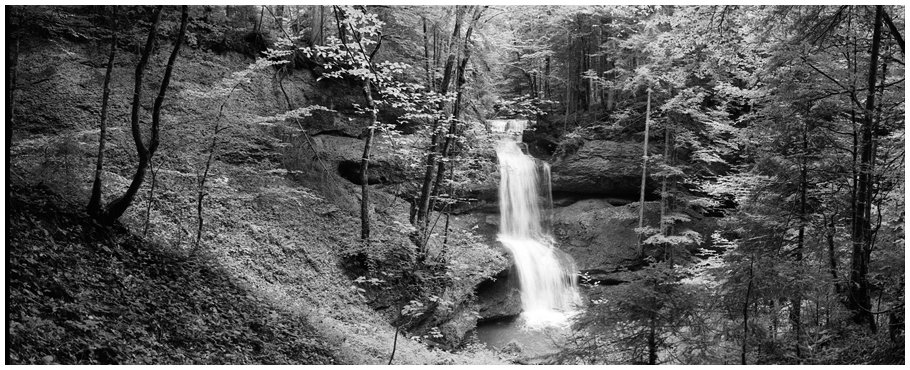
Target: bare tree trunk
x,y
423,202
644,172
426,57
116,208
895,32
200,195
546,77
568,99
664,197
832,257
796,302
652,339
435,47
317,17
279,11
364,165
148,207
746,311
394,345
858,295
119,206
94,203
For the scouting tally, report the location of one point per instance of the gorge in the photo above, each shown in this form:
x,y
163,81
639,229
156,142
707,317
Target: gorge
x,y
467,184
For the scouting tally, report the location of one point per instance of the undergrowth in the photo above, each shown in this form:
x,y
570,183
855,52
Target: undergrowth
x,y
80,293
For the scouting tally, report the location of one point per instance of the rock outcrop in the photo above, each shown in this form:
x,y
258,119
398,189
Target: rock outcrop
x,y
499,297
599,235
344,153
598,167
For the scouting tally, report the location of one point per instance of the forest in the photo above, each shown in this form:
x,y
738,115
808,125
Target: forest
x,y
455,185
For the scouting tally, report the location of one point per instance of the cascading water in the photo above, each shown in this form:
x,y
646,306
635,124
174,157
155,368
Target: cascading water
x,y
546,275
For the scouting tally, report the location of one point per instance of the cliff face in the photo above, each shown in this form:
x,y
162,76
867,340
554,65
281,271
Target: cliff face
x,y
596,184
59,88
598,168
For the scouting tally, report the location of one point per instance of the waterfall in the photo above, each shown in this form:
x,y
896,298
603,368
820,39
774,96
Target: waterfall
x,y
546,275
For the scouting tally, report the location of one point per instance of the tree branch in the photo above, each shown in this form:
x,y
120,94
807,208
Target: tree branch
x,y
894,31
852,95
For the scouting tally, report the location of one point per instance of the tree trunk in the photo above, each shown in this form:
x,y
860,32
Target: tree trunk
x,y
364,165
546,77
644,172
895,33
746,311
832,256
858,295
317,16
652,339
568,99
279,13
424,200
94,203
119,206
368,140
148,207
796,302
664,198
435,51
200,196
426,57
457,108
116,208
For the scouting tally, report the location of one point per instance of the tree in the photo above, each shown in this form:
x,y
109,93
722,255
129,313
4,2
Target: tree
x,y
423,208
858,293
454,118
94,203
117,207
644,166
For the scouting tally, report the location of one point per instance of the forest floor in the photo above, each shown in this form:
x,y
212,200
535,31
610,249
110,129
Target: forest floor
x,y
80,293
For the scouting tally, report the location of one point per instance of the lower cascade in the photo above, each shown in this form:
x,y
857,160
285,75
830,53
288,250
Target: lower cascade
x,y
547,276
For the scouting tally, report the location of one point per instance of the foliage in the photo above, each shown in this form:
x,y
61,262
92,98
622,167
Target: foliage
x,y
655,312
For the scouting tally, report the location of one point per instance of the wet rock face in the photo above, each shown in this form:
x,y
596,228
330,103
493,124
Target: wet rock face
x,y
499,297
598,167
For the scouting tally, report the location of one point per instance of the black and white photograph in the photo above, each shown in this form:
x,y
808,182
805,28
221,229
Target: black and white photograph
x,y
481,184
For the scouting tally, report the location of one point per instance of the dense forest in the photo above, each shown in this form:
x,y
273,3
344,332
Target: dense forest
x,y
329,184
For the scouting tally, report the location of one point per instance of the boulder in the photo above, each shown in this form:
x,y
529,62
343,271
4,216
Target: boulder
x,y
598,167
512,348
454,330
